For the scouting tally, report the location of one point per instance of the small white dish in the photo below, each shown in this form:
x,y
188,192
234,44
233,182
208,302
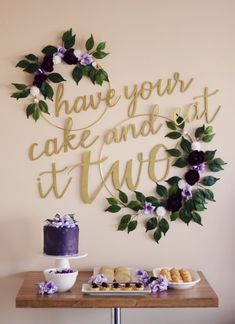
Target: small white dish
x,y
64,281
180,285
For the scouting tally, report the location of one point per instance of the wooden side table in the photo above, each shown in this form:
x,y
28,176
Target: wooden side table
x,y
201,295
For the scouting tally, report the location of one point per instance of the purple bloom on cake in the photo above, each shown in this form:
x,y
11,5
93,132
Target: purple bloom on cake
x,y
62,221
47,288
86,59
192,177
187,192
142,276
148,208
200,167
159,284
98,279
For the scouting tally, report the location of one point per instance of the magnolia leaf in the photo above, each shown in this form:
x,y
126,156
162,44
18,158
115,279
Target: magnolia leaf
x,y
173,189
77,74
196,218
22,64
49,50
153,200
140,197
185,215
219,161
180,122
157,235
31,68
69,42
199,131
113,209
181,162
214,167
132,226
209,181
30,109
164,225
90,43
86,70
209,155
31,57
67,35
151,224
199,206
36,114
171,125
123,197
43,106
173,135
208,138
135,205
209,195
125,219
112,201
174,152
122,226
199,196
47,91
55,77
185,145
174,216
173,180
21,94
161,190
100,46
189,205
20,86
100,55
208,130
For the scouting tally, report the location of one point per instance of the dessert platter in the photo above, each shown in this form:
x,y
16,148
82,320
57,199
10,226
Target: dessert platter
x,y
119,281
178,277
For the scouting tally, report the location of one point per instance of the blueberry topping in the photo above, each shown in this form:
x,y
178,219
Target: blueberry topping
x,y
138,285
105,285
94,285
116,285
127,285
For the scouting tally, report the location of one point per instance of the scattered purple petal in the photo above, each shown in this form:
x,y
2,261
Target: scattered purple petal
x,y
158,285
47,288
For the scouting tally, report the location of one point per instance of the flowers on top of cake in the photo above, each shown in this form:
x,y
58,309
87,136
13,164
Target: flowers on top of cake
x,y
66,221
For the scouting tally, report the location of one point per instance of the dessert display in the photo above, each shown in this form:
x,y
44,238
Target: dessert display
x,y
60,236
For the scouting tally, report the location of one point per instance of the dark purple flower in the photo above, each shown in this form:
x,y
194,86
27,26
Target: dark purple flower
x,y
174,202
192,177
69,57
47,63
39,79
196,157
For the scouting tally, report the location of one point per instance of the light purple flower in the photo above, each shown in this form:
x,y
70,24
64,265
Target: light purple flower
x,y
60,51
98,279
47,288
142,276
200,167
86,59
148,208
187,192
158,285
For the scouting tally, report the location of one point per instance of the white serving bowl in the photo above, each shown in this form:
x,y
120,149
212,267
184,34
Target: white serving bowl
x,y
64,281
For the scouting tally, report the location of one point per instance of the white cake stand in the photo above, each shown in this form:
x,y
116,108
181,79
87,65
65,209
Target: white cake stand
x,y
62,261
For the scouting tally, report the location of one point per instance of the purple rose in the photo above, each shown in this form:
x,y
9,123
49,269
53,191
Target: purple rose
x,y
39,79
69,57
192,177
196,157
86,59
174,202
47,63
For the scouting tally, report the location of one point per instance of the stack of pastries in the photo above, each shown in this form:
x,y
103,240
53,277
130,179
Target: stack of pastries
x,y
176,275
119,274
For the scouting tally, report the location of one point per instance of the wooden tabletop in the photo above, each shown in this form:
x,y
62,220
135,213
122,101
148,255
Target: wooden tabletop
x,y
201,295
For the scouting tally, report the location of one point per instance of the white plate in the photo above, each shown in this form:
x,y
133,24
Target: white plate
x,y
86,290
131,269
180,285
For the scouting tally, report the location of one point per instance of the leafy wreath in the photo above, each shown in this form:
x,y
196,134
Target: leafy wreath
x,y
42,70
185,197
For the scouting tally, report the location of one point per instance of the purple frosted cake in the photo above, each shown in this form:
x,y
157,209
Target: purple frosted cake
x,y
61,236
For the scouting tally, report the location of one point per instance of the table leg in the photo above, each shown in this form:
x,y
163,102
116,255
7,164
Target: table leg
x,y
116,315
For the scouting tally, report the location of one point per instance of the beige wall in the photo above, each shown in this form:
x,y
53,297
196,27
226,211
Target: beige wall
x,y
147,40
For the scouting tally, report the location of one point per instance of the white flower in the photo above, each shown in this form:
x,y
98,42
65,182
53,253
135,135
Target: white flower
x,y
78,54
196,146
34,91
161,211
182,184
95,65
56,59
